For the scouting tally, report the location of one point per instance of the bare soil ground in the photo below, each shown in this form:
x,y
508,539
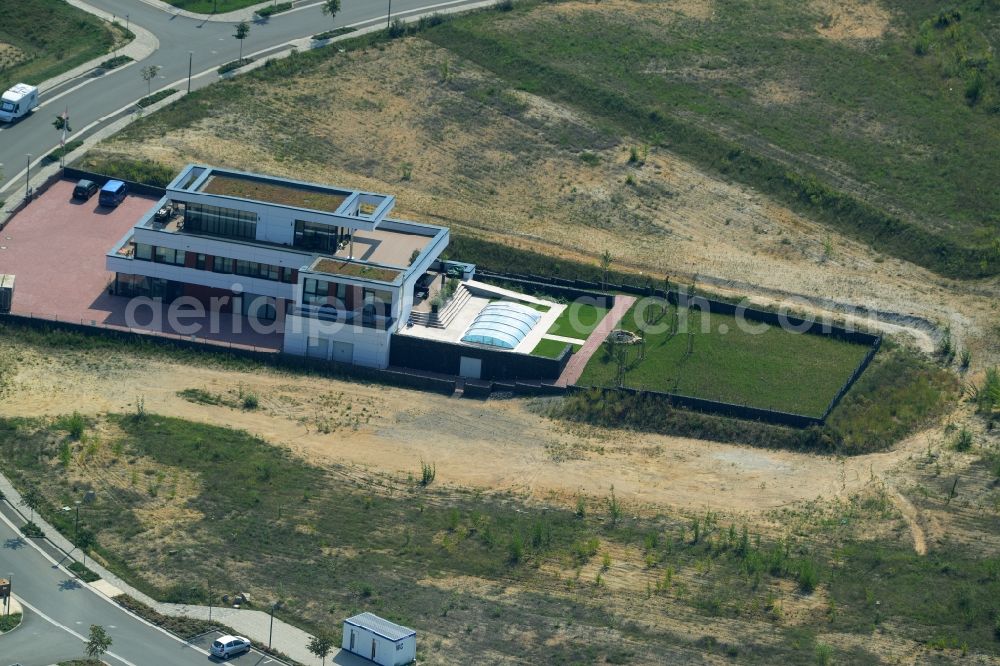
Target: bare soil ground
x,y
494,445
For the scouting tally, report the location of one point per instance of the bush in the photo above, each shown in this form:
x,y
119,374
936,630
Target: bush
x,y
146,172
75,425
235,64
427,473
117,61
271,10
330,34
155,97
250,401
32,531
85,574
808,578
963,442
63,151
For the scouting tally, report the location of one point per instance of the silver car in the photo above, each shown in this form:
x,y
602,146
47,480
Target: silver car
x,y
227,646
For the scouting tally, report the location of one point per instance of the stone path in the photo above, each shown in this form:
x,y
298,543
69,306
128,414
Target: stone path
x,y
571,373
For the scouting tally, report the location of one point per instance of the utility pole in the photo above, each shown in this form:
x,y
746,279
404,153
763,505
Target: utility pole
x,y
388,16
76,526
190,62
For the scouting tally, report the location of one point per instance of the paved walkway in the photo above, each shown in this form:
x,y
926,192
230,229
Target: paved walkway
x,y
253,624
578,361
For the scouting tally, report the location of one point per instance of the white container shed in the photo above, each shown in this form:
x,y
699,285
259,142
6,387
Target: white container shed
x,y
384,642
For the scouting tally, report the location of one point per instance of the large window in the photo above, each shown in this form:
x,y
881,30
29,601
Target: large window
x,y
143,252
253,269
222,265
216,221
314,292
166,255
315,236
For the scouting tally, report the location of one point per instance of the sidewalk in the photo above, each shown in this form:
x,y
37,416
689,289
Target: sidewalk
x,y
144,44
253,624
578,361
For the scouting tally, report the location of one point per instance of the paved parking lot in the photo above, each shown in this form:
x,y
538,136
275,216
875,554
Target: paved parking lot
x,y
55,247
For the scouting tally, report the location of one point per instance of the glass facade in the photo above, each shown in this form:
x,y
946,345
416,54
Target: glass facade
x,y
166,255
203,262
218,221
315,236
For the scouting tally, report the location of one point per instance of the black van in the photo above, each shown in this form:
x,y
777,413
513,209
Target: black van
x,y
84,189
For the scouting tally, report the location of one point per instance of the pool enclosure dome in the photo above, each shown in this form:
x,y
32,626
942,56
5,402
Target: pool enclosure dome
x,y
501,325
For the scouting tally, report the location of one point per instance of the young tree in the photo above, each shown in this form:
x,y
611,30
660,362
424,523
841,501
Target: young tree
x,y
31,498
242,32
606,260
320,646
331,8
98,643
148,74
85,539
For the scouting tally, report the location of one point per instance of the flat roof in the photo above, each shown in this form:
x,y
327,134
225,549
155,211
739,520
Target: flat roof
x,y
353,269
381,626
273,191
382,246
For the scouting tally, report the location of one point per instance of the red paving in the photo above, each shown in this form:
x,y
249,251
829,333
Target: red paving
x,y
55,247
578,361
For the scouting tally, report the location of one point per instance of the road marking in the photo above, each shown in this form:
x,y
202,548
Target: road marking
x,y
99,595
69,631
80,85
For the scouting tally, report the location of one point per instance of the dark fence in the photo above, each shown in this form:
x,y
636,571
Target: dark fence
x,y
745,412
577,288
271,358
445,358
853,378
99,178
580,288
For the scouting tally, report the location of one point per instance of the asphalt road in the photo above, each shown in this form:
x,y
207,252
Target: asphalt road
x,y
91,99
59,611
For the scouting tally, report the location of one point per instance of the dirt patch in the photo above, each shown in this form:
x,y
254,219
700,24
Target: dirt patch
x,y
851,20
777,93
10,55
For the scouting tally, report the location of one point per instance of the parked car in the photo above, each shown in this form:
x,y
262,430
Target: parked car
x,y
113,193
84,189
227,646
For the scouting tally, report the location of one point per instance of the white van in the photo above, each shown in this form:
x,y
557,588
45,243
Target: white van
x,y
17,102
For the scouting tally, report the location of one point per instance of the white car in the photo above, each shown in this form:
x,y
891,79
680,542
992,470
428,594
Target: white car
x,y
227,646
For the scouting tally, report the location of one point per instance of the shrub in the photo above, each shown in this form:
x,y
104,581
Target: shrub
x,y
808,577
116,61
155,97
427,473
31,530
250,401
963,442
270,10
235,64
75,425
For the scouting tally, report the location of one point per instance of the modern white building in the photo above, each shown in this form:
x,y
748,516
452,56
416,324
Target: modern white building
x,y
326,266
381,641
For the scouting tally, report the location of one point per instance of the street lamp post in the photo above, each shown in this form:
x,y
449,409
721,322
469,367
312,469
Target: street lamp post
x,y
388,16
76,525
190,62
27,179
270,630
126,23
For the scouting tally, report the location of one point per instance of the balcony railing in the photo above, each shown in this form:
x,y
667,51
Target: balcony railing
x,y
346,317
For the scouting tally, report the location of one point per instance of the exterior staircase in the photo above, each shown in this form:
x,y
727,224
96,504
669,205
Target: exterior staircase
x,y
445,315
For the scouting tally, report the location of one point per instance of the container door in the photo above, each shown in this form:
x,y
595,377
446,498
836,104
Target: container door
x,y
352,641
373,649
318,348
470,368
343,352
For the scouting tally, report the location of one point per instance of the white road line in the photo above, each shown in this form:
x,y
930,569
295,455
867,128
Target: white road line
x,y
69,631
101,595
80,85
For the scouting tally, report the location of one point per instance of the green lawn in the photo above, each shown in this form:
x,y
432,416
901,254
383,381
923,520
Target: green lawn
x,y
578,320
844,129
772,368
551,348
50,37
